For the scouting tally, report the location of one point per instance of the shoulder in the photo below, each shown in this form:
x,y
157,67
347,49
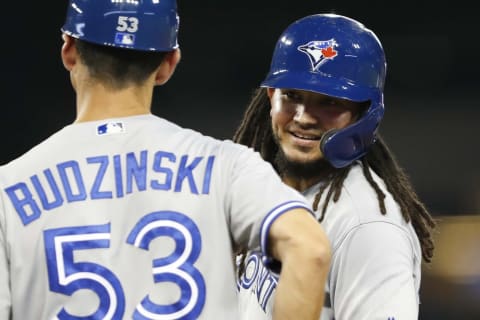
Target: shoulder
x,y
232,159
362,201
183,139
358,207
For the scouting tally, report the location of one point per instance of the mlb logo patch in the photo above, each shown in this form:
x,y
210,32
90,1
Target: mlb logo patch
x,y
126,39
110,128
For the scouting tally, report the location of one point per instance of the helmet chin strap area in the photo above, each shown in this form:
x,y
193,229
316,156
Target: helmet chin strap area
x,y
341,147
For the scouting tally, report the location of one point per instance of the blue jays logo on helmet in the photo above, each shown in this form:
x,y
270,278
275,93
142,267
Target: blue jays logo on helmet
x,y
319,52
336,56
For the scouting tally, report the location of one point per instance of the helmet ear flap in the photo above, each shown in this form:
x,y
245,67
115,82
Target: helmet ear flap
x,y
325,138
341,147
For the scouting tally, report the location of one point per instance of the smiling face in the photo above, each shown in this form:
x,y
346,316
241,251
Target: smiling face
x,y
300,118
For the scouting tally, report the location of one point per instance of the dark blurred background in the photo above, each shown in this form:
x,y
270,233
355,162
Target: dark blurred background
x,y
431,98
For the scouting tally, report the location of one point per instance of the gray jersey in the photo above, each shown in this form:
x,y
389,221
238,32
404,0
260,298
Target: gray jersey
x,y
376,260
131,218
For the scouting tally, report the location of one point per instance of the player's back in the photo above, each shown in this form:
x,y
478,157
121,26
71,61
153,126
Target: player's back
x,y
121,218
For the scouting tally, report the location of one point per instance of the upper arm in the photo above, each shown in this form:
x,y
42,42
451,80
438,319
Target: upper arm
x,y
297,229
298,241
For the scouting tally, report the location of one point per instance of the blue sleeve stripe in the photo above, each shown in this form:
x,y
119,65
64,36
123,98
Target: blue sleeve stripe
x,y
273,215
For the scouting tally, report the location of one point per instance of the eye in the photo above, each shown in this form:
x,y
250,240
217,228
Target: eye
x,y
332,102
293,96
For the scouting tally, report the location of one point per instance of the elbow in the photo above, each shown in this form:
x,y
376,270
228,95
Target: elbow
x,y
321,253
315,252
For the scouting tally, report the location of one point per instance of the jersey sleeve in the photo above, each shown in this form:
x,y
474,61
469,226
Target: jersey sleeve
x,y
257,197
373,275
5,297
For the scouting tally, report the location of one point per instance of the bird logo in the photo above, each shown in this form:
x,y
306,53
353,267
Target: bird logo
x,y
319,52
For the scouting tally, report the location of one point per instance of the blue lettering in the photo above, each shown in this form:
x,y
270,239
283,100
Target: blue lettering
x,y
265,286
136,171
157,166
252,265
57,197
117,165
22,204
185,171
208,175
95,192
126,172
257,278
62,171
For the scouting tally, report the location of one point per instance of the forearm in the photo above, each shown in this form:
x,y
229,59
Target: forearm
x,y
301,245
301,289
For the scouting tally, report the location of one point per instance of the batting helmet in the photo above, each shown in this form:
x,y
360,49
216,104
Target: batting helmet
x,y
337,56
146,25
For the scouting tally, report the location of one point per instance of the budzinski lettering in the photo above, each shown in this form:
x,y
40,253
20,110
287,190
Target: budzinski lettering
x,y
113,177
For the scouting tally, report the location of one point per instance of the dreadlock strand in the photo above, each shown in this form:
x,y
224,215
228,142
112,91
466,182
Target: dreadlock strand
x,y
316,200
337,182
327,201
318,196
383,162
378,191
249,128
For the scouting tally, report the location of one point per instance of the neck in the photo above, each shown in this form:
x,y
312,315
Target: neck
x,y
301,184
97,102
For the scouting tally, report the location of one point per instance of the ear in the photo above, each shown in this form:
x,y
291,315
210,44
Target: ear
x,y
270,92
167,68
68,52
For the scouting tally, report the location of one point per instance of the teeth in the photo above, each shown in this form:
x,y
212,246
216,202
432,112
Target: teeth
x,y
305,137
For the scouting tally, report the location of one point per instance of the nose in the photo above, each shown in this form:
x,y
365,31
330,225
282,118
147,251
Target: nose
x,y
303,115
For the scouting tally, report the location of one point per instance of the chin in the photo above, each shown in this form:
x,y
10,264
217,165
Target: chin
x,y
300,165
303,157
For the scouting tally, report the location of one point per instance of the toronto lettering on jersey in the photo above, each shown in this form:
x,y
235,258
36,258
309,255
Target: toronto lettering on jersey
x,y
258,280
130,172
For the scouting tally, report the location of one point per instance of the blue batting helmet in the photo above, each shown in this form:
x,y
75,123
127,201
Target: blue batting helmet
x,y
337,56
147,25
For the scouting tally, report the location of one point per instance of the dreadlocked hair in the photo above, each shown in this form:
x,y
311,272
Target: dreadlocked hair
x,y
255,131
383,162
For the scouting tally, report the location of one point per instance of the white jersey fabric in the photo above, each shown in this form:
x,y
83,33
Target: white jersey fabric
x,y
376,259
131,218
